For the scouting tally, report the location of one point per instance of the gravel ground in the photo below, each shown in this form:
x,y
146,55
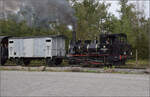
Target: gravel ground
x,y
21,83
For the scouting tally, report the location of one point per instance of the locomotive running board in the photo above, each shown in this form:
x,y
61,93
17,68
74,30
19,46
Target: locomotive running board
x,y
87,55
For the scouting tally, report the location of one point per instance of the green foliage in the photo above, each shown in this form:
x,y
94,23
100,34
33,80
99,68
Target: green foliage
x,y
91,16
136,27
12,28
141,63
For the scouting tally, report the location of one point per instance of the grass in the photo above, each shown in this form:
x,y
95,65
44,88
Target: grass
x,y
82,70
139,64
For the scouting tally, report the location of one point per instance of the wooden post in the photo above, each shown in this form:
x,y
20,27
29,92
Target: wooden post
x,y
136,57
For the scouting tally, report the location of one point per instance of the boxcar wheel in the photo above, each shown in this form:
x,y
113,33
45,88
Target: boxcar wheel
x,y
3,62
26,62
57,61
19,61
49,62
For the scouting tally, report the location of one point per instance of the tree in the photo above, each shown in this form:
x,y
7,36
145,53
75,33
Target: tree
x,y
91,16
135,27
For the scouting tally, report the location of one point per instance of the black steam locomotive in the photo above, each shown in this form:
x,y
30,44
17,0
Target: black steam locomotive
x,y
110,49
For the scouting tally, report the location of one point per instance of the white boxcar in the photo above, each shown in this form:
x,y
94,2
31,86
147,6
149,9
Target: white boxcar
x,y
37,47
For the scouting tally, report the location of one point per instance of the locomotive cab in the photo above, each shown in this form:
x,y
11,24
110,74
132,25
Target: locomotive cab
x,y
117,47
113,42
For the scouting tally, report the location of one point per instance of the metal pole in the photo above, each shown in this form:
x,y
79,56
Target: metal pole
x,y
136,57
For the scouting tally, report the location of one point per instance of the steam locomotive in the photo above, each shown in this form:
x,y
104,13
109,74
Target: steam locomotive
x,y
109,49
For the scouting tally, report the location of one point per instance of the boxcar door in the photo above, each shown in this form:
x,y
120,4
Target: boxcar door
x,y
39,47
28,47
48,48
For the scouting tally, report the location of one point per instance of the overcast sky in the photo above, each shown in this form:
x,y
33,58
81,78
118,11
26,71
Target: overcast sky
x,y
143,5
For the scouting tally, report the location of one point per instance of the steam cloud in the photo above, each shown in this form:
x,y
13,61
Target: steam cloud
x,y
39,12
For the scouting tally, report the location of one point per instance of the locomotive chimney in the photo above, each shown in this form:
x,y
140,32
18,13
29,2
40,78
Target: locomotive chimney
x,y
74,36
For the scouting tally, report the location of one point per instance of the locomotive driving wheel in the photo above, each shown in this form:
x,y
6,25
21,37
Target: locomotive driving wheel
x,y
121,62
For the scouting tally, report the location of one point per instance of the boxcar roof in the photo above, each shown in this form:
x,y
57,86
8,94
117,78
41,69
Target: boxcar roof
x,y
51,36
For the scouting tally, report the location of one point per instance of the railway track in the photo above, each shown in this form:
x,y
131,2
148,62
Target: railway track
x,y
75,68
81,66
